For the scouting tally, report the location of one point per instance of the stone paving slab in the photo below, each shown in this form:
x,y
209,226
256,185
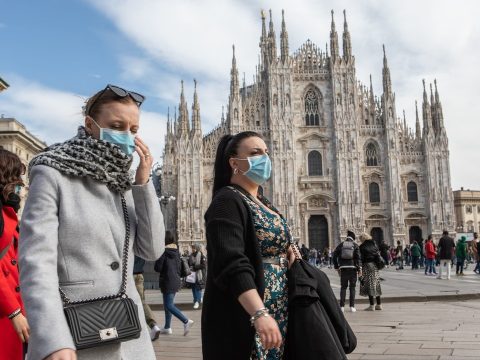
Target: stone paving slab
x,y
402,331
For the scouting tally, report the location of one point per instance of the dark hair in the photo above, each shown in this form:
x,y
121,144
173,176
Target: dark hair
x,y
430,237
169,237
11,171
102,98
445,232
227,147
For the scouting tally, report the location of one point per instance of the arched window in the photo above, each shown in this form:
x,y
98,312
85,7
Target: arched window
x,y
374,192
468,209
371,155
312,114
412,191
314,164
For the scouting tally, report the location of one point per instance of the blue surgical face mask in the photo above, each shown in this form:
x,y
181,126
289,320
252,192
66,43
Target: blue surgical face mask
x,y
123,139
18,188
260,168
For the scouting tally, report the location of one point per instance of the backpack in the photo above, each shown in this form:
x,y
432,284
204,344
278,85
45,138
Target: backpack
x,y
347,250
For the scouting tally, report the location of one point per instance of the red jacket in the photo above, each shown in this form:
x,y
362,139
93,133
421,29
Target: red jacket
x,y
10,300
430,250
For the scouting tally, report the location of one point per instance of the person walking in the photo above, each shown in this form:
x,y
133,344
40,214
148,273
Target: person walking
x,y
446,248
383,247
347,261
138,265
14,328
370,283
430,255
246,298
197,262
399,255
416,253
169,267
461,254
312,257
84,219
476,252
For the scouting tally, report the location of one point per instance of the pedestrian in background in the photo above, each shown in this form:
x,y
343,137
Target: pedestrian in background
x,y
197,262
14,328
169,267
476,252
138,271
82,204
384,249
370,283
347,261
416,253
399,255
461,254
430,254
446,248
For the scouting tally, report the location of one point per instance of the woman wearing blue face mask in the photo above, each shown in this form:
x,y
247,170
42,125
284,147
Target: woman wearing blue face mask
x,y
83,221
245,301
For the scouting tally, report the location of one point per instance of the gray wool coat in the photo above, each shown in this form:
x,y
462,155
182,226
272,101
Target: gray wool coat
x,y
72,235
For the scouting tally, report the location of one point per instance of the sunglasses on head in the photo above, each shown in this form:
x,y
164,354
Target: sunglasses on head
x,y
138,98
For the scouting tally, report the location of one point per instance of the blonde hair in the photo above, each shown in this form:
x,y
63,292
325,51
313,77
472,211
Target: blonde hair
x,y
364,237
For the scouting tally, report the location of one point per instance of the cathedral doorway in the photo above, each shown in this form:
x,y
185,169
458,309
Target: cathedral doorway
x,y
318,232
377,235
415,234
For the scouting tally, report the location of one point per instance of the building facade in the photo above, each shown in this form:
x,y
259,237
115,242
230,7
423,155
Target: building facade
x,y
341,156
15,138
467,210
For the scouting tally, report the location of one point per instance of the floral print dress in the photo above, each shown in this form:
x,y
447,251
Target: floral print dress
x,y
274,238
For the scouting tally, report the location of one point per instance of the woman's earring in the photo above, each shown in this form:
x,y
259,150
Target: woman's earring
x,y
235,171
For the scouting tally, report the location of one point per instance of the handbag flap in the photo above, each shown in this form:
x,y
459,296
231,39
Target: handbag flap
x,y
103,321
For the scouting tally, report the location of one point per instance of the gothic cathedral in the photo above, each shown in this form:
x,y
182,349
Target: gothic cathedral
x,y
341,157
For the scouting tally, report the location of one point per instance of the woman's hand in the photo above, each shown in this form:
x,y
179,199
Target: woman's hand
x,y
20,324
64,354
146,161
290,256
267,329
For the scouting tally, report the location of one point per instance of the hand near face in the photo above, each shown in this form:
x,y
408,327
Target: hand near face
x,y
146,160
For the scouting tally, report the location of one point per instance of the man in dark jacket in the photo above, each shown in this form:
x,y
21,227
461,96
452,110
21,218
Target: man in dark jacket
x,y
347,261
446,246
383,247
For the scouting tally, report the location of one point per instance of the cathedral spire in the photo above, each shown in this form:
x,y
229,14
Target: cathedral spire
x,y
272,40
234,83
387,82
426,111
264,41
372,100
168,121
183,122
284,40
334,53
417,122
433,107
438,104
347,41
196,121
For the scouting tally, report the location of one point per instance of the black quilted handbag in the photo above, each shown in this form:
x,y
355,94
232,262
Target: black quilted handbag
x,y
108,319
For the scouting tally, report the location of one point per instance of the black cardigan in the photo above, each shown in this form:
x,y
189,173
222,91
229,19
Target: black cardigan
x,y
234,266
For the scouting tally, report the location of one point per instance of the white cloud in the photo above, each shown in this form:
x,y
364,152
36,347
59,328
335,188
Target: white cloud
x,y
53,115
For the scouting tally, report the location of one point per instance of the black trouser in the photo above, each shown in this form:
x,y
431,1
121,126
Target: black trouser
x,y
415,262
370,300
348,278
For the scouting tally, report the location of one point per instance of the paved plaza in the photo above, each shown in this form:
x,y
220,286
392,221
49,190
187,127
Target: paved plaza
x,y
410,327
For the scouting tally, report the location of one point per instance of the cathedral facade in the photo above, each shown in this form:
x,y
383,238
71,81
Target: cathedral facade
x,y
342,158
